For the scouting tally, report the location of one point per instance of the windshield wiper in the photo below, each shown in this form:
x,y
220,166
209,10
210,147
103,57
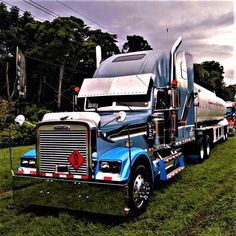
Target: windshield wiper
x,y
124,104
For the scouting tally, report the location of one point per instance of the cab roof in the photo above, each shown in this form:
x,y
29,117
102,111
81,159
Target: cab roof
x,y
143,62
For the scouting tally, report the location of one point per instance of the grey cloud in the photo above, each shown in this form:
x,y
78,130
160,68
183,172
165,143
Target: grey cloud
x,y
230,74
214,51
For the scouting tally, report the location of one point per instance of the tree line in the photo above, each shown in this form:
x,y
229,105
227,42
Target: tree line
x,y
64,49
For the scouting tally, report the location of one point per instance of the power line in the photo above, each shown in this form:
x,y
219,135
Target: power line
x,y
53,64
49,12
88,18
45,8
41,9
22,10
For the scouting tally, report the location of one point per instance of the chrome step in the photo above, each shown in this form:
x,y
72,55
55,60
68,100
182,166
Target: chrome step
x,y
171,157
174,172
166,170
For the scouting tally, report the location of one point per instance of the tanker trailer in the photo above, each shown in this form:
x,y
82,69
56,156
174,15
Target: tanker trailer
x,y
210,122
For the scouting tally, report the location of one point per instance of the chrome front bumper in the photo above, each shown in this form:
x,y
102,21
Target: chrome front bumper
x,y
105,198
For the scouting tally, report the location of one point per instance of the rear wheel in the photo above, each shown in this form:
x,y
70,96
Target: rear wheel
x,y
200,150
225,137
139,189
207,147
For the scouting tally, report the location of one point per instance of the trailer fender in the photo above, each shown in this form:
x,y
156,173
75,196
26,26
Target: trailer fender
x,y
121,154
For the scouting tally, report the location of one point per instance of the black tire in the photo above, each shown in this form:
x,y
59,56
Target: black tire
x,y
225,137
140,187
200,150
207,147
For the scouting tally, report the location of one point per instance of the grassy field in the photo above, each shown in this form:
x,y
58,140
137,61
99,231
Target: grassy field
x,y
200,201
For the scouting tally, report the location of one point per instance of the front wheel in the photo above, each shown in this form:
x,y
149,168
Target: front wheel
x,y
139,189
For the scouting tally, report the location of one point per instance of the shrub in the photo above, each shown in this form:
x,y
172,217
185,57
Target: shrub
x,y
15,135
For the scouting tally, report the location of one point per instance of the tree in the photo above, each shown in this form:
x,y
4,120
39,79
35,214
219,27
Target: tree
x,y
106,40
69,42
108,45
209,74
135,43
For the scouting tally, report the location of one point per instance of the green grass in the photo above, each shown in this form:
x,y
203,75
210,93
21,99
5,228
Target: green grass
x,y
199,201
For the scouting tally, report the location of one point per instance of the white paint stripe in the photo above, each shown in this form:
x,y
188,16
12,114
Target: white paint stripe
x,y
131,136
185,126
77,176
63,176
49,174
101,176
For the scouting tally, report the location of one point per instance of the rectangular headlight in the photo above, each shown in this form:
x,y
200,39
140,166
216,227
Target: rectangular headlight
x,y
28,163
24,162
110,166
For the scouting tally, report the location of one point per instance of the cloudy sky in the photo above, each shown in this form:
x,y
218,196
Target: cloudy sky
x,y
208,27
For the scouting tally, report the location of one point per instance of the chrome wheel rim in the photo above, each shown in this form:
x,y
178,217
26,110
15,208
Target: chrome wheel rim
x,y
137,191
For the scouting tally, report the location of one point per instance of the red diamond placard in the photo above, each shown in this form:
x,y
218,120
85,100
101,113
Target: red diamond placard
x,y
76,159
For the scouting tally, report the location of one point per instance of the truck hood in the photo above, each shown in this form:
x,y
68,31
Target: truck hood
x,y
92,118
107,120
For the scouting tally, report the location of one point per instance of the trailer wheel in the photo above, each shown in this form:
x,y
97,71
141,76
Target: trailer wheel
x,y
139,190
225,137
207,147
200,149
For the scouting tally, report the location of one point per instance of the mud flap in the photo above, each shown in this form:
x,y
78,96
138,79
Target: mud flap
x,y
104,198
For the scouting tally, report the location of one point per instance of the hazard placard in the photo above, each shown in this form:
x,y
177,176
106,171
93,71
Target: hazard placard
x,y
76,159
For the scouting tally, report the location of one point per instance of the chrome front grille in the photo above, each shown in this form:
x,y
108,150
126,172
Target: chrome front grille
x,y
56,146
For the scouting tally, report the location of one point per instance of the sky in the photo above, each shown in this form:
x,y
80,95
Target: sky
x,y
208,27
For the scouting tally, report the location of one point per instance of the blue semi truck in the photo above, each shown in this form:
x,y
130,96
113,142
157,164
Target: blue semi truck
x,y
142,115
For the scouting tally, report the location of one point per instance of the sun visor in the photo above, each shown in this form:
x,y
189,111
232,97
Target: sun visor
x,y
115,86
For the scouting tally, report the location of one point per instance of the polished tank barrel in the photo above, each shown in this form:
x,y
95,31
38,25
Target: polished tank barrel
x,y
209,107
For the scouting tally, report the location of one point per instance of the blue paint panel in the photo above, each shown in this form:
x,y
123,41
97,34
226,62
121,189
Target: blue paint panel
x,y
179,162
122,154
29,154
137,118
162,170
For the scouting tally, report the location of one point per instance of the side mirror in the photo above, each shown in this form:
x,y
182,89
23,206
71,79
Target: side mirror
x,y
20,120
121,116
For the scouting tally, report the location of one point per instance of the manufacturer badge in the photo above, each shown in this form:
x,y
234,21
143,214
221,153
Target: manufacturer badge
x,y
62,127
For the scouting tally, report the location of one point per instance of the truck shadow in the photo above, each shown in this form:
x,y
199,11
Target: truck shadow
x,y
104,219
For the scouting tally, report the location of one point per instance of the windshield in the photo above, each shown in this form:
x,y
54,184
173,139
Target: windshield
x,y
115,102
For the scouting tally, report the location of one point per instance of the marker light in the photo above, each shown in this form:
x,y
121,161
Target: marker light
x,y
174,83
76,89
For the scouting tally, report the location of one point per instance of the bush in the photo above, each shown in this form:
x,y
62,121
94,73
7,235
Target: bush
x,y
15,135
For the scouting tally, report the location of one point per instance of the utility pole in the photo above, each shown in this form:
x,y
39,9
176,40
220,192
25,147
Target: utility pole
x,y
62,68
7,81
